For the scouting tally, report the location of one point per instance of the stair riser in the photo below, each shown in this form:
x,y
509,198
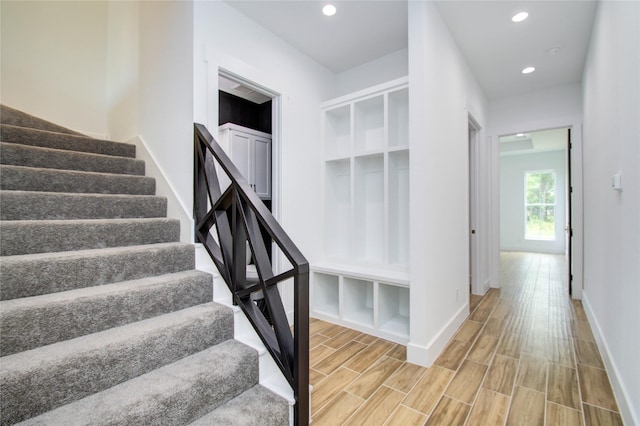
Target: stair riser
x,y
64,316
58,374
19,178
32,275
20,155
26,237
45,139
26,205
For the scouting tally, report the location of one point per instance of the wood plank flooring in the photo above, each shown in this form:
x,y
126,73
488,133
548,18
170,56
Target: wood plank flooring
x,y
524,356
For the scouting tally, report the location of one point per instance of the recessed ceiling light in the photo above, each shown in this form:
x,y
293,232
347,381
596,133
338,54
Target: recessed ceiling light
x,y
329,10
520,135
528,70
519,17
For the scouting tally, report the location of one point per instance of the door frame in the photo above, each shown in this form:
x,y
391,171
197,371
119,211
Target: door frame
x,y
473,182
276,147
573,211
569,221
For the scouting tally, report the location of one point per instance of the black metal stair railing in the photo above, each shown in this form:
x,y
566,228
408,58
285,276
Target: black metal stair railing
x,y
230,218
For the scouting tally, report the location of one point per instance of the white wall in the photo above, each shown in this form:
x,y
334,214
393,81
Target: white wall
x,y
388,67
611,87
225,39
123,33
512,196
443,92
558,107
54,62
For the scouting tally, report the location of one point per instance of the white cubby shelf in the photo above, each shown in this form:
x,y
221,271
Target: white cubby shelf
x,y
366,176
363,281
375,302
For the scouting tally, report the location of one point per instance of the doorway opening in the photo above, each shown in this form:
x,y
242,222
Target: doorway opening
x,y
249,132
535,194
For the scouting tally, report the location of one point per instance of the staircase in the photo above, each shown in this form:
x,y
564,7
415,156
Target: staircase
x,y
103,319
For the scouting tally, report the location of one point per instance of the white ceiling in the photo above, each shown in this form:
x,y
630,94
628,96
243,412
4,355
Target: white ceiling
x,y
360,31
535,142
495,48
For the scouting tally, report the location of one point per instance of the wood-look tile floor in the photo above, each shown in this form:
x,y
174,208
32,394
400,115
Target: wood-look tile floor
x,y
524,356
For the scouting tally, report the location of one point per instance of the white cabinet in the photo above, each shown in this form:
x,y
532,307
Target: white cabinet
x,y
363,281
250,151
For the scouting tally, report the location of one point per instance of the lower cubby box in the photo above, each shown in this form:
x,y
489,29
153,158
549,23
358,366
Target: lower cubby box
x,y
393,309
326,294
358,301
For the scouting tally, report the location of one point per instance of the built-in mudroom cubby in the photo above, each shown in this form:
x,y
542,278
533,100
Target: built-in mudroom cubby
x,y
363,280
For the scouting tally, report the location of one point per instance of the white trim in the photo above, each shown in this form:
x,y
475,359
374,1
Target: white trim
x,y
426,355
474,195
176,208
620,392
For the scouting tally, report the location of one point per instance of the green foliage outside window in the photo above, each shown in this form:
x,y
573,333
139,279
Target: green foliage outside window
x,y
540,201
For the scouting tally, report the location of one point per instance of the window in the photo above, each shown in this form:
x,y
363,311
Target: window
x,y
539,204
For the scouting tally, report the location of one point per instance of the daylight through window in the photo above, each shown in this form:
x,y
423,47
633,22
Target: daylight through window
x,y
540,201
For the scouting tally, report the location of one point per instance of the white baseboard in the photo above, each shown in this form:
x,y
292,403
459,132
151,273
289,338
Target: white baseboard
x,y
176,209
619,389
426,355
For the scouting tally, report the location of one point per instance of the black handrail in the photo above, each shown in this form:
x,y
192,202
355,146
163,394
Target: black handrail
x,y
225,222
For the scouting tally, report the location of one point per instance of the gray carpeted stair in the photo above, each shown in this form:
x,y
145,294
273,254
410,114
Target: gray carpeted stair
x,y
255,407
14,117
103,319
47,158
52,139
30,322
22,178
36,274
175,394
28,205
40,236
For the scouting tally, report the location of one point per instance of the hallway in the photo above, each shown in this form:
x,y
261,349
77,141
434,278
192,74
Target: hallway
x,y
525,356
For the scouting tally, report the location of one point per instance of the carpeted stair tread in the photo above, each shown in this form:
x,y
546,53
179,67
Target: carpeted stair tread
x,y
31,205
22,178
42,273
15,117
257,406
47,158
42,379
31,322
52,139
175,394
41,236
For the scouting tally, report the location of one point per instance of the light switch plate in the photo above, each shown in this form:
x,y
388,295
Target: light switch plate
x,y
616,182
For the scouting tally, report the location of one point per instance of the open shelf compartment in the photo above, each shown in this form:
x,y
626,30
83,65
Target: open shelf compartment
x,y
338,208
369,219
358,301
326,291
369,124
398,207
393,309
399,118
337,128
